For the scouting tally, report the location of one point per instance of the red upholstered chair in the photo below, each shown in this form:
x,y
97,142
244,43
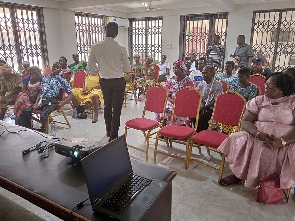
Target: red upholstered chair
x,y
187,104
79,79
225,120
225,86
156,99
259,81
156,73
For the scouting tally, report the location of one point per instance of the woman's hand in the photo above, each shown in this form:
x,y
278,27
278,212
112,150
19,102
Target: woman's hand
x,y
273,144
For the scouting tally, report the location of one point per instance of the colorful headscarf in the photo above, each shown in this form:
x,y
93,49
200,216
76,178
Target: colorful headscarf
x,y
149,58
6,68
180,64
75,55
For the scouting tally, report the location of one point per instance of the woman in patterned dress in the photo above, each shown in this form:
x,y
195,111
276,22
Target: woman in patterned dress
x,y
137,66
77,65
11,85
30,92
147,78
243,87
173,84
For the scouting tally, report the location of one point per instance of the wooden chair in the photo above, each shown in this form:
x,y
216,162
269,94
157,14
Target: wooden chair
x,y
130,88
225,120
156,99
259,81
52,115
187,104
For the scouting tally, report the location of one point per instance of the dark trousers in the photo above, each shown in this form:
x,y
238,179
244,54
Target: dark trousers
x,y
48,105
203,120
113,94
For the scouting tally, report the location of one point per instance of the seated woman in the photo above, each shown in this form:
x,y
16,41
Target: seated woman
x,y
11,85
173,84
90,92
243,87
66,73
228,76
27,98
147,78
257,67
254,155
77,65
137,66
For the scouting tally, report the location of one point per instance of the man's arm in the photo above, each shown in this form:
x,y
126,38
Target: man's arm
x,y
92,63
250,55
125,60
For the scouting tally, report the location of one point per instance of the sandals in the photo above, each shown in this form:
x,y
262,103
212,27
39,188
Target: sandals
x,y
229,180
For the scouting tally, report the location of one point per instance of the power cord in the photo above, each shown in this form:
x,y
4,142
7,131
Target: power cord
x,y
78,206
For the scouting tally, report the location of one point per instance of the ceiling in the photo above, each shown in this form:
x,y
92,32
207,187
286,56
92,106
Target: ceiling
x,y
131,6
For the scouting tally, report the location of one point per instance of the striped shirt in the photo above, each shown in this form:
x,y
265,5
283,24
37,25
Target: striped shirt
x,y
110,57
213,54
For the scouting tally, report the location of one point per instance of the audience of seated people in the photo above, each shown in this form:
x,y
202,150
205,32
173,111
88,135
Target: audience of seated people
x,y
228,76
210,88
23,106
147,79
253,155
11,85
164,69
257,68
243,87
173,84
90,92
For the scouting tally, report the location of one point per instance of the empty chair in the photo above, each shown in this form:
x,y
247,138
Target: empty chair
x,y
156,99
225,120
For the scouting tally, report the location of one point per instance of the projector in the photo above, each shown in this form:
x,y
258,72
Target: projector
x,y
76,148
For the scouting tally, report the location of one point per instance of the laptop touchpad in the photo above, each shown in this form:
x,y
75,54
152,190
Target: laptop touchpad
x,y
143,200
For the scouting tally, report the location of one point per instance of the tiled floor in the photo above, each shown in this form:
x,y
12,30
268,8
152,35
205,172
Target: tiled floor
x,y
196,194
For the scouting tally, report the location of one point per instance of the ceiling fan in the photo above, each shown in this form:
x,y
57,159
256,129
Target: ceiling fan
x,y
149,6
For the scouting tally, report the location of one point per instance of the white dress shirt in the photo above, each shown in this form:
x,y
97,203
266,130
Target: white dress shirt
x,y
110,58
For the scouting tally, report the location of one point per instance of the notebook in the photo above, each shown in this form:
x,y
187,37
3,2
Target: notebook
x,y
113,188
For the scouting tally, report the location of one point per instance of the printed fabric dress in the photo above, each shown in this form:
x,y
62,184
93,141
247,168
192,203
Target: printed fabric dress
x,y
172,85
137,69
248,92
81,66
8,85
250,159
147,79
23,100
233,80
91,81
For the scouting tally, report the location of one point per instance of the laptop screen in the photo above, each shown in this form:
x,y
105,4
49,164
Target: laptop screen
x,y
106,166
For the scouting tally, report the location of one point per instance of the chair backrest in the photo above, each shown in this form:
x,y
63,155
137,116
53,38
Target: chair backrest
x,y
259,81
156,73
79,79
225,86
156,99
224,113
187,103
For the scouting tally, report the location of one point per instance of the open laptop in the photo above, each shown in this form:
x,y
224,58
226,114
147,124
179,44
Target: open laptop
x,y
113,188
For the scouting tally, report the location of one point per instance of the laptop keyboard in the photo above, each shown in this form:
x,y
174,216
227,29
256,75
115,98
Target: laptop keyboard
x,y
125,194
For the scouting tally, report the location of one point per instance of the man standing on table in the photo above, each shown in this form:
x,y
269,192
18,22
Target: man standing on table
x,y
112,61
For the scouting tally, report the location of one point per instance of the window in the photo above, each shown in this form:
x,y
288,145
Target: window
x,y
90,29
273,37
197,32
23,36
145,37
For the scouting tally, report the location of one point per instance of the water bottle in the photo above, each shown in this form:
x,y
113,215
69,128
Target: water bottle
x,y
75,113
52,129
12,119
7,116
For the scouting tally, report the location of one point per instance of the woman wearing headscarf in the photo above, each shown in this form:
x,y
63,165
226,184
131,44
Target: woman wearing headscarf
x,y
173,84
77,65
147,78
137,66
11,85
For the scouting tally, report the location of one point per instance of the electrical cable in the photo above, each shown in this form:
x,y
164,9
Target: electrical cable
x,y
78,206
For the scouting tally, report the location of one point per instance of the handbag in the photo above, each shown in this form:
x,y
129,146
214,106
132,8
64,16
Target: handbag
x,y
269,192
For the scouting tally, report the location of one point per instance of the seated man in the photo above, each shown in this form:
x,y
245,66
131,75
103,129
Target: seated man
x,y
164,69
209,89
50,89
257,68
11,85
